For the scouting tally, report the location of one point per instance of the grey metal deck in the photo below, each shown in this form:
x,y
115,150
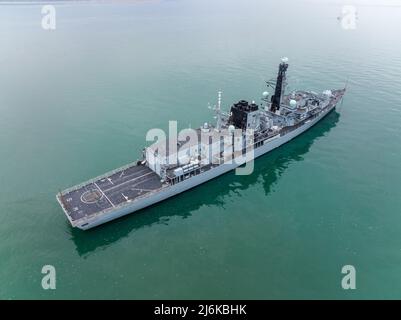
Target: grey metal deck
x,y
110,191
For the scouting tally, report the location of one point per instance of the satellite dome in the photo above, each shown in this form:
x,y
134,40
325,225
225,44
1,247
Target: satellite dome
x,y
327,93
293,104
284,59
265,94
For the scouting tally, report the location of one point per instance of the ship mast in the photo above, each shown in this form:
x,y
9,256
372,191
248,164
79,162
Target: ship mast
x,y
217,110
280,86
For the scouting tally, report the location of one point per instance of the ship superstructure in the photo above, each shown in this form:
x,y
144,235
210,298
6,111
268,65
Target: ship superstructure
x,y
169,167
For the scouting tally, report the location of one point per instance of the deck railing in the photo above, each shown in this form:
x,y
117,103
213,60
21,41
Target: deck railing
x,y
104,175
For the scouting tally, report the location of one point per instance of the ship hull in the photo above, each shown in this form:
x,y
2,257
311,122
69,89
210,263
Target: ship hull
x,y
170,191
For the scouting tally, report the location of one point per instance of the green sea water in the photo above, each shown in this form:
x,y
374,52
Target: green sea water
x,y
77,101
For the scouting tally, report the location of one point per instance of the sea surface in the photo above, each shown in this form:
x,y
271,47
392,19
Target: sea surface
x,y
78,101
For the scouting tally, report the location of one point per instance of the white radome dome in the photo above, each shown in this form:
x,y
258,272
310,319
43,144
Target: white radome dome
x,y
327,93
293,104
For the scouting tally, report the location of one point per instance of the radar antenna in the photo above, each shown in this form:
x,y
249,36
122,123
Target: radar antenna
x,y
271,83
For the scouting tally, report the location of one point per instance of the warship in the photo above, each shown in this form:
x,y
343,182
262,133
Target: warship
x,y
171,166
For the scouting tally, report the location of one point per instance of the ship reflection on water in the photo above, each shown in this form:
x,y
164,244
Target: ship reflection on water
x,y
267,170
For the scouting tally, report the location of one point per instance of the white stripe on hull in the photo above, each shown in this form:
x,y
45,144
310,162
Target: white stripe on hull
x,y
194,181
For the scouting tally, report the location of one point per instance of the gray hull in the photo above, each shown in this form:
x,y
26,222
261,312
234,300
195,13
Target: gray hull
x,y
172,190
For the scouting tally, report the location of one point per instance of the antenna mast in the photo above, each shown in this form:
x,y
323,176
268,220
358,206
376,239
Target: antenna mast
x,y
280,85
218,111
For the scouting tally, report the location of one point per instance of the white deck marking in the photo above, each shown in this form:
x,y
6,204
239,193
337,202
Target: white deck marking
x,y
130,175
125,197
147,190
110,181
119,185
104,194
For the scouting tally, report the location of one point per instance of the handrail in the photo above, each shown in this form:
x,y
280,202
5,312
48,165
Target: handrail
x,y
92,180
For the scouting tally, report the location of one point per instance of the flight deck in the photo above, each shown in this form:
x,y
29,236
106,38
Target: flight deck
x,y
109,191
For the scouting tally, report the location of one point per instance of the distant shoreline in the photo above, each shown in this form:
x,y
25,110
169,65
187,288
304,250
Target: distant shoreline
x,y
27,2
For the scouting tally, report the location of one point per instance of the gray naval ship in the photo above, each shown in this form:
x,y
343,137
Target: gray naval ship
x,y
169,167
